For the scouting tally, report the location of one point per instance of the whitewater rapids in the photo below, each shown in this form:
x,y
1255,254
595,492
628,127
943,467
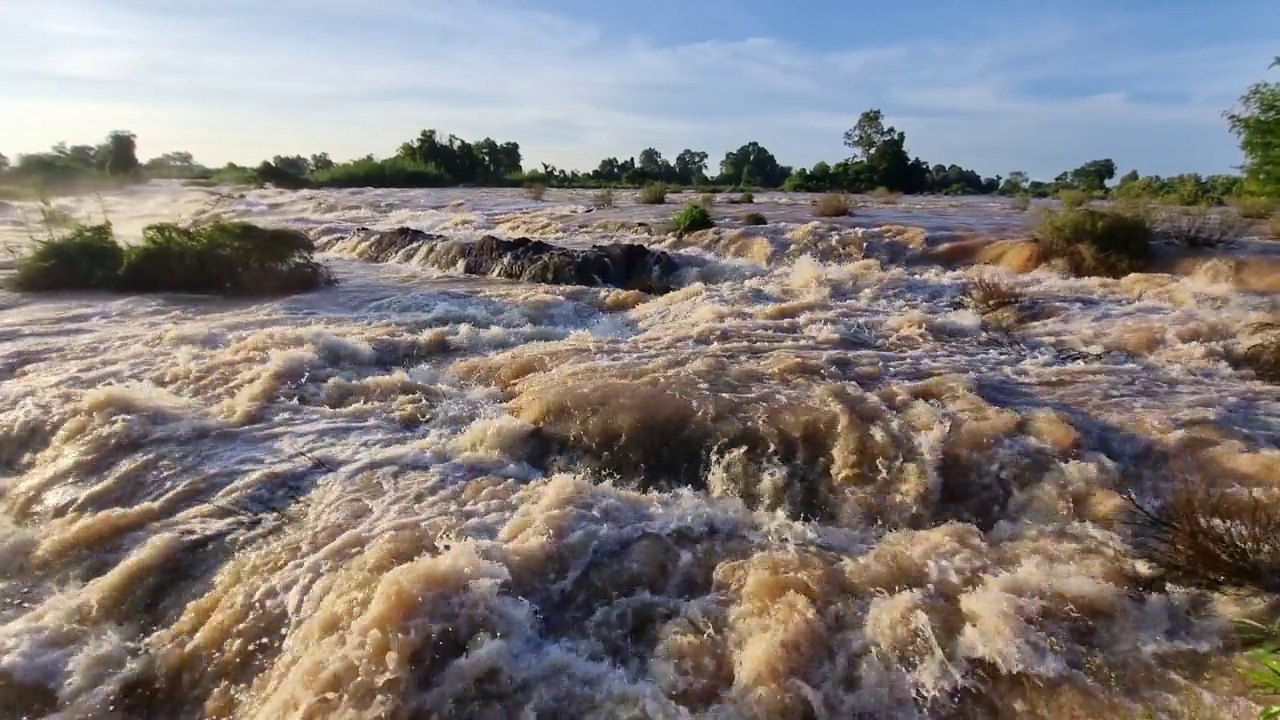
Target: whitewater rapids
x,y
811,482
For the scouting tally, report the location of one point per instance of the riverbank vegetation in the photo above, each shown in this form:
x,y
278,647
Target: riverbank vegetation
x,y
878,164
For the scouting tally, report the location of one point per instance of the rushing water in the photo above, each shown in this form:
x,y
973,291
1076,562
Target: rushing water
x,y
810,483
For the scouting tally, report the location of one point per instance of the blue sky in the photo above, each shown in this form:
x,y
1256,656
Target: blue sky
x,y
996,86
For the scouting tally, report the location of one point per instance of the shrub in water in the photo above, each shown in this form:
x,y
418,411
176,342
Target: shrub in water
x,y
754,219
226,258
989,295
746,198
1211,536
86,258
223,258
1072,199
1021,203
1200,227
707,201
653,194
1095,242
833,205
535,191
887,196
1253,208
692,218
604,198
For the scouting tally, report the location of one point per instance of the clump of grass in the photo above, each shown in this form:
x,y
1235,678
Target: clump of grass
x,y
989,295
1253,208
1073,199
86,258
603,198
1021,203
1201,227
833,205
754,218
1209,536
1262,355
692,218
1263,645
221,258
886,196
1093,242
52,217
652,194
535,191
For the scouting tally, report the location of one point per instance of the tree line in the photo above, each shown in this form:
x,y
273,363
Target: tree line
x,y
878,161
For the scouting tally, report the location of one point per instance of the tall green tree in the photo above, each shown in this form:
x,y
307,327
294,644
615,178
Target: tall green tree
x,y
869,134
691,166
1256,121
120,154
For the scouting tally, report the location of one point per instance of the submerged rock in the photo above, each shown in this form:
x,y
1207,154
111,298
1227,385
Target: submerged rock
x,y
628,266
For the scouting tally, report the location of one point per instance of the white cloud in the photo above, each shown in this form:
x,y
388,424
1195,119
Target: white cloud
x,y
241,81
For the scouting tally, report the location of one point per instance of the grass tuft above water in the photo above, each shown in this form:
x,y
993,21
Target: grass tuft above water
x,y
219,258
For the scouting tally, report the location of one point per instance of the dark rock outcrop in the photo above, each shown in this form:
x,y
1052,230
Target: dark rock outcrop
x,y
628,266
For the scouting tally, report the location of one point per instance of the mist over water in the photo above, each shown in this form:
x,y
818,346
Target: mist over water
x,y
810,482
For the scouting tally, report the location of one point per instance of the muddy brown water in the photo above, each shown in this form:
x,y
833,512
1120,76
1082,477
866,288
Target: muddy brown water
x,y
812,482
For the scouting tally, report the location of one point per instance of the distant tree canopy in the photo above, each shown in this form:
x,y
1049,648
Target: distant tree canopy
x,y
1256,122
879,160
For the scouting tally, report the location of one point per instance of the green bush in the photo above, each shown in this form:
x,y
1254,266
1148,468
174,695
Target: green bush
x,y
1073,199
535,191
652,194
707,201
1253,208
746,198
1095,242
395,172
692,218
1021,203
86,258
754,218
221,258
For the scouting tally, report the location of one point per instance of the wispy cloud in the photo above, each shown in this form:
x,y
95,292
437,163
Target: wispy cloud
x,y
237,80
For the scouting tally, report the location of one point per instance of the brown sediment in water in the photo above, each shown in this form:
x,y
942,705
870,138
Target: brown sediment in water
x,y
811,482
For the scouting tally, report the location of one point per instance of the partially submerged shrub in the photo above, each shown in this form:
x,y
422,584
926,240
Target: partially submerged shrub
x,y
692,218
603,198
1262,354
988,295
754,218
1022,203
1253,208
231,258
885,195
1095,242
707,201
1072,199
535,191
1200,227
1209,536
86,258
746,198
226,258
652,194
833,205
